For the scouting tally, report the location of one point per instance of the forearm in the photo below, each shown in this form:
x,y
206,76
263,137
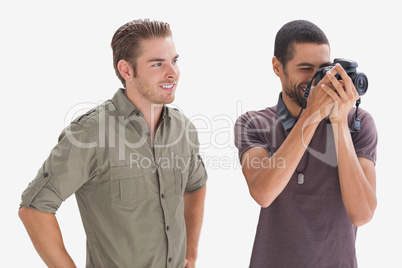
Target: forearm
x,y
44,231
193,215
357,184
275,172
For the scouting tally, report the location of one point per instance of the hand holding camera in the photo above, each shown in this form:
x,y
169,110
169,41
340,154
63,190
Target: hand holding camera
x,y
357,80
345,89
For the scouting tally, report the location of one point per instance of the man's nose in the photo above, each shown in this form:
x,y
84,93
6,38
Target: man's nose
x,y
172,71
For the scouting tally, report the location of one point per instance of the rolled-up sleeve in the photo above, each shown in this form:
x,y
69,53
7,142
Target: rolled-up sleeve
x,y
71,164
197,173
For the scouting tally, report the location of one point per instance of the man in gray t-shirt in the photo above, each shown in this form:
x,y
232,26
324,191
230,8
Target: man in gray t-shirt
x,y
312,174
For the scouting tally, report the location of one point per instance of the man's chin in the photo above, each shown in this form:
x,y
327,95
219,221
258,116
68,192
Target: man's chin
x,y
169,100
298,101
164,101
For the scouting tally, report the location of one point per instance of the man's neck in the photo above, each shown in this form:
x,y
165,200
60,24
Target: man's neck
x,y
152,112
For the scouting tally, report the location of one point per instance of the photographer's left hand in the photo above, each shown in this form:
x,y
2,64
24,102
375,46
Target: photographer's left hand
x,y
343,93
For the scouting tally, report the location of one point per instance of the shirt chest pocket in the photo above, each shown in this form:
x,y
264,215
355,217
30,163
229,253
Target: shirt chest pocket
x,y
128,186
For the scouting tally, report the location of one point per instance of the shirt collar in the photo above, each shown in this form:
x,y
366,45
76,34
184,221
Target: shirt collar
x,y
284,116
126,107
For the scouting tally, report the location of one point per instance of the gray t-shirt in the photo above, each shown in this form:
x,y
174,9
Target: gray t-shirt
x,y
307,224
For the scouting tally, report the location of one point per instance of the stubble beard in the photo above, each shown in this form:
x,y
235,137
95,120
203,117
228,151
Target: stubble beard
x,y
295,94
150,93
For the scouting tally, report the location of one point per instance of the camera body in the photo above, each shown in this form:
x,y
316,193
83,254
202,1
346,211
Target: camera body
x,y
359,80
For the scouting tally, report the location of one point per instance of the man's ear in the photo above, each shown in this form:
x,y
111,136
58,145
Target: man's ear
x,y
125,70
277,66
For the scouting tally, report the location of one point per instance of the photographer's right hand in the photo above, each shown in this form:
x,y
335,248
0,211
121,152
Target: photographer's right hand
x,y
319,102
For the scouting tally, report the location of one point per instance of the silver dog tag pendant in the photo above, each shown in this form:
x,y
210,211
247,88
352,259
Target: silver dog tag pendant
x,y
300,178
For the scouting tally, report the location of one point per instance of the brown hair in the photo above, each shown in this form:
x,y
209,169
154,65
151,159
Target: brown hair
x,y
126,41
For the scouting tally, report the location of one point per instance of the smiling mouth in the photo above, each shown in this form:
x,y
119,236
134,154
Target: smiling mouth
x,y
168,87
303,87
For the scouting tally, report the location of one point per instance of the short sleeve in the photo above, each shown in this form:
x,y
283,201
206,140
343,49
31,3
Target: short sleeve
x,y
365,141
197,177
247,135
71,163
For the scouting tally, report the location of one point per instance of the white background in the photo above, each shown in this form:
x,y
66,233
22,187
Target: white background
x,y
56,55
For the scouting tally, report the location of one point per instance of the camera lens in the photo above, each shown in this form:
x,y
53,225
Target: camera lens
x,y
361,83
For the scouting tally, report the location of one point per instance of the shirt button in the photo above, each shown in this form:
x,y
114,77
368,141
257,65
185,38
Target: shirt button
x,y
167,228
170,260
163,196
45,174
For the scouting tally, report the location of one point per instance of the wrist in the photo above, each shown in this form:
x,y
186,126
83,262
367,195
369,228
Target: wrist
x,y
308,118
340,121
191,257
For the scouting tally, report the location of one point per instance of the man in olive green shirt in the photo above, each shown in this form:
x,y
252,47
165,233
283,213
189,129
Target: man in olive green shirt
x,y
132,163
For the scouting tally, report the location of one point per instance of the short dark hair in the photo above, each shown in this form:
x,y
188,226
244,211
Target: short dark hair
x,y
297,31
126,42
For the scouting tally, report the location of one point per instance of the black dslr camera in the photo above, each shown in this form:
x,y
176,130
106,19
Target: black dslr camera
x,y
359,79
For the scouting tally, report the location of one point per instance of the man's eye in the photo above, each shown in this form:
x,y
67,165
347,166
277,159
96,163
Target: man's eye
x,y
175,61
157,64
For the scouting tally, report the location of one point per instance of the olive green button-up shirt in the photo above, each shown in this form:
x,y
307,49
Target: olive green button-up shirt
x,y
129,188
